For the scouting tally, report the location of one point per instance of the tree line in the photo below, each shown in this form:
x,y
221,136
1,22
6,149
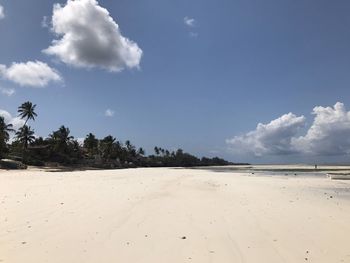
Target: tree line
x,y
60,147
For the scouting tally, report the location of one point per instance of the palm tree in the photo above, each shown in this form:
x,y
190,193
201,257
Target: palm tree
x,y
108,147
128,144
5,129
162,151
27,111
25,135
91,144
130,149
156,150
141,151
60,139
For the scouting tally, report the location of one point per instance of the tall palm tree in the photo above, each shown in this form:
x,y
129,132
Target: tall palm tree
x,y
25,135
27,111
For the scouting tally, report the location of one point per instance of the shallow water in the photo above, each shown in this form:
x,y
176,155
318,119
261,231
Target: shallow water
x,y
276,170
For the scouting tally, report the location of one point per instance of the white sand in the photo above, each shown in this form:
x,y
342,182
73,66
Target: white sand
x,y
141,215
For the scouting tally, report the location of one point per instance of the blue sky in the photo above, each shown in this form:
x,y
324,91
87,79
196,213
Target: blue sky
x,y
196,86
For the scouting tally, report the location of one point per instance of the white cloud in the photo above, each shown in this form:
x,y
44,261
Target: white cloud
x,y
44,22
329,133
2,12
109,113
7,92
191,22
33,74
17,122
80,140
89,37
272,138
193,34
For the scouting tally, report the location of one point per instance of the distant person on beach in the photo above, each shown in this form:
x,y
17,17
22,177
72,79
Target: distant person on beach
x,y
315,166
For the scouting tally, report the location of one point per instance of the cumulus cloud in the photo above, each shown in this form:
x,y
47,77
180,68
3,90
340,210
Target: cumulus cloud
x,y
191,22
109,113
329,133
2,12
9,119
31,73
89,37
7,92
271,138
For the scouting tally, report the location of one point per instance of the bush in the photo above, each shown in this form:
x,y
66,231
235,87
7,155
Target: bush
x,y
11,164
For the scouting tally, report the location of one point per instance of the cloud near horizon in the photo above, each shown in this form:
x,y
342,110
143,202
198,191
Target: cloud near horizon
x,y
82,45
17,122
329,134
272,138
32,74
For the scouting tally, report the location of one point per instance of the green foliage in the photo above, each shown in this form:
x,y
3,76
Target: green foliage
x,y
25,135
181,159
60,139
27,111
91,145
60,147
5,129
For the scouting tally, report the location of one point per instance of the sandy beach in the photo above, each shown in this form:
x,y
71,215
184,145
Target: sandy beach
x,y
172,215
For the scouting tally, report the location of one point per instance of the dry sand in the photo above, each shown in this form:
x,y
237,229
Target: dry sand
x,y
172,215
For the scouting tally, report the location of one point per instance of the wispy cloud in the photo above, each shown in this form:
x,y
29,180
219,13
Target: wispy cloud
x,y
45,22
2,12
109,113
191,22
193,34
7,92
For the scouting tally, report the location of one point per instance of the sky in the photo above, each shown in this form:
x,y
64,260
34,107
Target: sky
x,y
250,81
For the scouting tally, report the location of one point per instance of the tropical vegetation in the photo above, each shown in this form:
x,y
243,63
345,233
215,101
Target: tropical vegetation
x,y
61,148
